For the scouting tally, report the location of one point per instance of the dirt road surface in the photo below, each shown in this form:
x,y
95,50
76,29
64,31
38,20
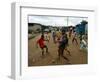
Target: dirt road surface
x,y
35,57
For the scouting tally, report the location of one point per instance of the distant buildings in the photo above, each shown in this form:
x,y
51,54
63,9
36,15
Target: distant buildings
x,y
33,27
80,28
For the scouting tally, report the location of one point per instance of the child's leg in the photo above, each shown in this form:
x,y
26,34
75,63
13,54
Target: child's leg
x,y
73,40
53,38
62,51
42,51
76,41
65,58
59,53
81,46
67,50
46,48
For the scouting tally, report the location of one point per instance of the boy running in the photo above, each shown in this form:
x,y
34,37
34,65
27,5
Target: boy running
x,y
74,38
63,42
42,44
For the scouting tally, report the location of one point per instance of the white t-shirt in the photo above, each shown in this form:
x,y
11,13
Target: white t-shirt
x,y
47,36
84,42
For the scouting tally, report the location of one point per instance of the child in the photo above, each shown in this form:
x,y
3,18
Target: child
x,y
66,48
74,38
42,45
63,42
47,36
58,35
54,36
83,44
70,32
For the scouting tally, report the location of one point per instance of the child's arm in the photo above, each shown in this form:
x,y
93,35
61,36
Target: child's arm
x,y
45,39
84,42
49,37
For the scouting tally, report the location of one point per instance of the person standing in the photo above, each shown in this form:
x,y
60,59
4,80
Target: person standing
x,y
54,36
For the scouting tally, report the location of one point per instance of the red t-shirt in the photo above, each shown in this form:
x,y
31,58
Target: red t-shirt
x,y
41,42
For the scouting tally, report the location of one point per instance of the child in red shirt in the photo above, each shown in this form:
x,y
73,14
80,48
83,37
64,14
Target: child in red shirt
x,y
42,45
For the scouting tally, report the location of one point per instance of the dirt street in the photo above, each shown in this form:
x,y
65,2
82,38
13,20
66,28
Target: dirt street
x,y
35,56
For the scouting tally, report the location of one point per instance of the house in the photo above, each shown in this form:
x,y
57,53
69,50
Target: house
x,y
34,27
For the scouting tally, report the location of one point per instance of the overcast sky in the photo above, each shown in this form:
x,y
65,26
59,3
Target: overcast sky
x,y
56,21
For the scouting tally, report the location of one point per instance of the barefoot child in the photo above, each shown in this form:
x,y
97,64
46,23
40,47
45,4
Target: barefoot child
x,y
74,38
47,36
42,44
63,42
83,43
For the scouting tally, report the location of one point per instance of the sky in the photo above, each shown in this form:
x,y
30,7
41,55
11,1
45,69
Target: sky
x,y
56,20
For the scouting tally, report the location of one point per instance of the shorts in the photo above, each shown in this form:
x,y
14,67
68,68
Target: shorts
x,y
62,46
44,47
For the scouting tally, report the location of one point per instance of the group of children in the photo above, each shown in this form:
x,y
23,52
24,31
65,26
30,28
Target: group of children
x,y
63,42
82,37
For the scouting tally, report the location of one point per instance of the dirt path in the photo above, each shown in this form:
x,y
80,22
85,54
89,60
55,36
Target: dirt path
x,y
35,59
